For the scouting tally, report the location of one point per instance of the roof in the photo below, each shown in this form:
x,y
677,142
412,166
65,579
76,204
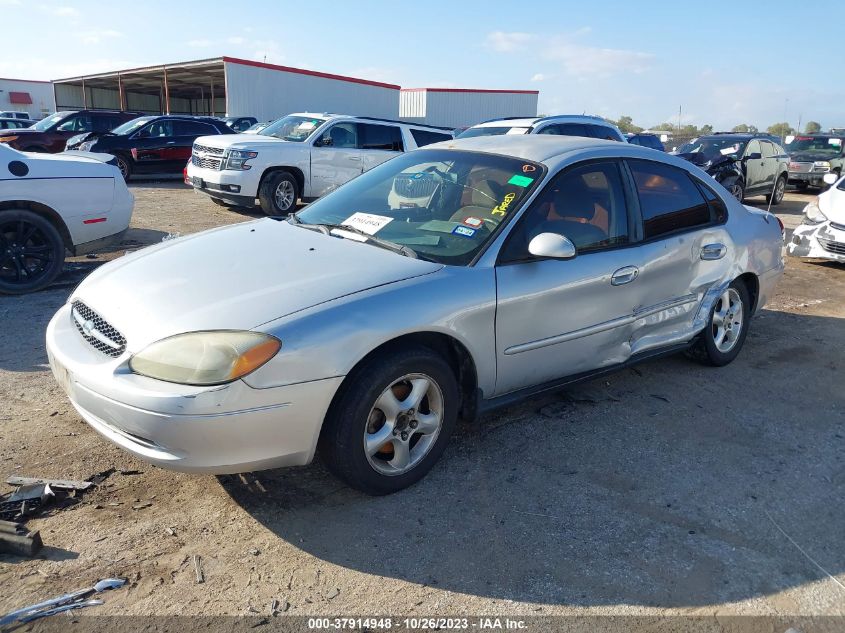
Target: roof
x,y
311,73
536,147
473,90
531,121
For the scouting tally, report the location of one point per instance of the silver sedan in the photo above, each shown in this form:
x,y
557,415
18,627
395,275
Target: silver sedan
x,y
441,284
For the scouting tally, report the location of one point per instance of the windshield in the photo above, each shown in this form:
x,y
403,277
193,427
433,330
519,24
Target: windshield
x,y
44,124
445,205
492,131
292,128
815,144
131,126
711,148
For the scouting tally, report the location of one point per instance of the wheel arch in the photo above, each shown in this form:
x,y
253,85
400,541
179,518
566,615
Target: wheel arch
x,y
44,211
296,172
450,348
752,285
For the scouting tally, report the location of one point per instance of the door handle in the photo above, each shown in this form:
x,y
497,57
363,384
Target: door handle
x,y
624,275
713,251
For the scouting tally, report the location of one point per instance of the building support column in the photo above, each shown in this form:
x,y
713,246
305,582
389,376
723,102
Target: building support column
x,y
212,98
166,93
121,93
84,96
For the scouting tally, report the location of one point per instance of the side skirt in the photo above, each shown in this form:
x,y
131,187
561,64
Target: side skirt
x,y
491,404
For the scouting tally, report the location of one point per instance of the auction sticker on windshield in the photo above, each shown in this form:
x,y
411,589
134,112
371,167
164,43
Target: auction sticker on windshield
x,y
367,222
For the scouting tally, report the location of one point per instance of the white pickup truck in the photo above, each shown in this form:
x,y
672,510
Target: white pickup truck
x,y
300,156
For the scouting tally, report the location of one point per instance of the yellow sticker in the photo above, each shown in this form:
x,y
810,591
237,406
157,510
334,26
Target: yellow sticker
x,y
502,207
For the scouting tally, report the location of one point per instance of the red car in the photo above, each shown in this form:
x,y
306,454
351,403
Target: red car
x,y
52,133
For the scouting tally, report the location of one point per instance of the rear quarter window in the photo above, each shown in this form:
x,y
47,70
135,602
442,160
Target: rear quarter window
x,y
425,137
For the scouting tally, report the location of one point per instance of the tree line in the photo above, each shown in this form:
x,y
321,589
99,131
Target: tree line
x,y
626,125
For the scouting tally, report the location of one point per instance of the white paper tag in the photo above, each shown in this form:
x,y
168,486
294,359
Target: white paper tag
x,y
733,149
367,222
517,130
306,125
835,141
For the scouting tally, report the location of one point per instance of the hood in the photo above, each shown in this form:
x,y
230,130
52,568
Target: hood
x,y
832,204
700,160
226,141
20,132
235,277
809,157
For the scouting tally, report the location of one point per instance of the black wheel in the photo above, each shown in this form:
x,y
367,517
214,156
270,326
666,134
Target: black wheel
x,y
777,195
278,193
31,252
737,190
391,420
720,342
124,166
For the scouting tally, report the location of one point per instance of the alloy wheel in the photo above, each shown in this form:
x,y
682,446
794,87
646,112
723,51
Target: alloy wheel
x,y
736,191
728,320
283,196
403,424
780,189
123,166
25,252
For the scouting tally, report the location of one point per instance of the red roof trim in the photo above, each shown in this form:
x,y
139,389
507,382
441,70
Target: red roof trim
x,y
20,98
311,73
518,92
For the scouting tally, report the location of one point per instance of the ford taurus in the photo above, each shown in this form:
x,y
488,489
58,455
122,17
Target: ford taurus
x,y
438,285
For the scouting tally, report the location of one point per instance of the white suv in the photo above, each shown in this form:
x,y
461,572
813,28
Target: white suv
x,y
561,124
300,156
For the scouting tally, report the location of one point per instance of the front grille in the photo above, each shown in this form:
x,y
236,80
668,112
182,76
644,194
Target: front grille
x,y
801,168
415,185
206,149
207,163
207,157
97,331
832,247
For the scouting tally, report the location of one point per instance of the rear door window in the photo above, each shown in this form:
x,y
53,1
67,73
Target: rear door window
x,y
193,128
605,132
669,200
383,137
568,129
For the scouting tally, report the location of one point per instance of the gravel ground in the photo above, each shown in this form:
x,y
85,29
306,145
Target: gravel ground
x,y
667,488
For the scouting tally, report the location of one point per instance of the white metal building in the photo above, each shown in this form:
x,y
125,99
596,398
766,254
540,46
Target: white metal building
x,y
460,107
227,85
23,95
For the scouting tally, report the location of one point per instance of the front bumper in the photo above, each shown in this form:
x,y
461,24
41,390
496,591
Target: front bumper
x,y
238,187
818,241
222,429
813,178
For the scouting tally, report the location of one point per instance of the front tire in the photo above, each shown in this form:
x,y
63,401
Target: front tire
x,y
391,420
278,193
737,190
721,341
32,252
780,189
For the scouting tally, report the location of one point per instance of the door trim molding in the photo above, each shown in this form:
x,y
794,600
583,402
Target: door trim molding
x,y
639,313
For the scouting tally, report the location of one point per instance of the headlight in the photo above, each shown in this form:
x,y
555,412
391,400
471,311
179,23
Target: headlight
x,y
821,165
205,358
236,159
812,213
8,139
86,146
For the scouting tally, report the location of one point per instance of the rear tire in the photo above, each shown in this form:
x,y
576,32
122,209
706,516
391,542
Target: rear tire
x,y
391,420
278,193
124,166
32,252
780,189
721,341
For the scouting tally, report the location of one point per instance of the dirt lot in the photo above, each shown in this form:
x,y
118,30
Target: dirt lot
x,y
669,488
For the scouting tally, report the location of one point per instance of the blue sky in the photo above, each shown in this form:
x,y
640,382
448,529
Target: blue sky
x,y
723,62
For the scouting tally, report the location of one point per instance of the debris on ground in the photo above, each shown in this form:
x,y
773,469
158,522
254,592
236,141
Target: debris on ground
x,y
198,569
55,484
75,600
25,501
15,538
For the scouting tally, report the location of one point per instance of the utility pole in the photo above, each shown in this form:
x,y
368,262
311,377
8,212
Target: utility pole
x,y
679,120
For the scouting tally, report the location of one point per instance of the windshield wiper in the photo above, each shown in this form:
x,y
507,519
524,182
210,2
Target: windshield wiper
x,y
407,251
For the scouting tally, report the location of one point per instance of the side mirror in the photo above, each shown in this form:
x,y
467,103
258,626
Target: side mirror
x,y
754,156
552,246
830,178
